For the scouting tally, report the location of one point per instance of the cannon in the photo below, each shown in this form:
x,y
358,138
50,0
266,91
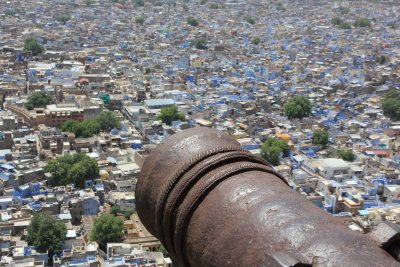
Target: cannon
x,y
212,203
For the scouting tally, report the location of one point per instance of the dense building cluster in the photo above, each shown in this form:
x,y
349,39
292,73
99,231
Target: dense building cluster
x,y
300,83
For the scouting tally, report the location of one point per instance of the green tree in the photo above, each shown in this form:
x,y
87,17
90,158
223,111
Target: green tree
x,y
256,40
320,137
391,105
192,21
64,18
115,210
107,228
363,22
297,107
282,144
38,100
280,7
169,114
147,71
347,155
85,128
392,25
68,126
72,169
344,10
139,3
250,20
202,2
90,127
139,20
337,21
271,154
88,2
38,26
381,59
214,6
345,26
200,43
108,121
32,45
272,148
128,213
46,233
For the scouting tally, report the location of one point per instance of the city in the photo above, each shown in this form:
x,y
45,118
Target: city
x,y
90,88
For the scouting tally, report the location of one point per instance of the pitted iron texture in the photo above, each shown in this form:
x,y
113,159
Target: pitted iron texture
x,y
187,181
170,157
212,203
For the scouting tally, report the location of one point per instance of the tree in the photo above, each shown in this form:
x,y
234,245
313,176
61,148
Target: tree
x,y
108,121
87,128
345,26
250,20
363,22
38,26
115,210
128,213
347,155
68,126
32,45
147,71
72,170
344,10
320,137
64,18
271,154
392,25
90,127
38,100
391,105
272,148
107,228
139,20
200,43
46,233
256,40
380,59
139,3
214,6
202,2
297,107
88,2
337,21
282,144
280,7
192,21
169,114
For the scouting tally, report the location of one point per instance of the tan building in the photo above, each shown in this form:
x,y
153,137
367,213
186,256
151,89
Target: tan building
x,y
57,114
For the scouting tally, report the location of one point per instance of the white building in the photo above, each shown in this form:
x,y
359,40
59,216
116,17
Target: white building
x,y
332,168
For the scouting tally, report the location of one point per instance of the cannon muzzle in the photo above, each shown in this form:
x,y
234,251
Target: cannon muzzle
x,y
212,203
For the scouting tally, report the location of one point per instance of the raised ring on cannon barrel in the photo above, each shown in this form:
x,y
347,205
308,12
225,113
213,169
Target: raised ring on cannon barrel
x,y
212,203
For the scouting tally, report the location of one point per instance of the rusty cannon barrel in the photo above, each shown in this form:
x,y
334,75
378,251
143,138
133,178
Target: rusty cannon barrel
x,y
212,203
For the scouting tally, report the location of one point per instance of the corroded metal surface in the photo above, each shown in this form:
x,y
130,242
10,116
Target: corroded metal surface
x,y
212,203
